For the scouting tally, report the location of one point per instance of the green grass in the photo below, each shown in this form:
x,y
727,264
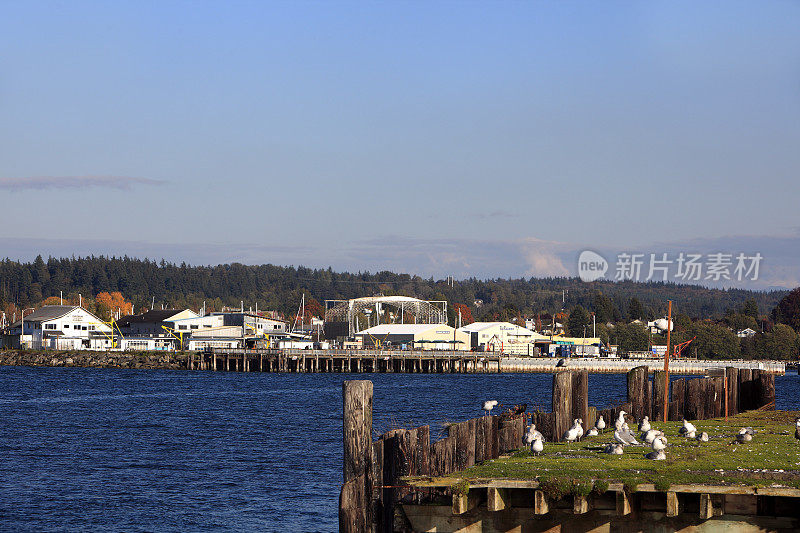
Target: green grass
x,y
771,458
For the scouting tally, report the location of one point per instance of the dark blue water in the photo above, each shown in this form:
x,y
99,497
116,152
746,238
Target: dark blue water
x,y
127,450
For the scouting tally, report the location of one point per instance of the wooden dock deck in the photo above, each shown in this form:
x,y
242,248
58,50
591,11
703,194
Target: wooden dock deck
x,y
440,362
346,361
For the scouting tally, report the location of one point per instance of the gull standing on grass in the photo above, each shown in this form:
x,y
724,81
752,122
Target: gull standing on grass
x,y
571,435
797,428
601,424
620,420
644,425
537,446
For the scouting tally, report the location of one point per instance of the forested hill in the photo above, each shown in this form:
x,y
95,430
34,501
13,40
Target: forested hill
x,y
280,288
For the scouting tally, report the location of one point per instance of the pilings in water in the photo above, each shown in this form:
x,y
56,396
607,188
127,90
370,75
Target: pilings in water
x,y
355,507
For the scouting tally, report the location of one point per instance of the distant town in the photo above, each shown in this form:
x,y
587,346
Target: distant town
x,y
394,322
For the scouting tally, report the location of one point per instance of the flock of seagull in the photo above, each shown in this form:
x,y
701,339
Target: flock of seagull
x,y
623,436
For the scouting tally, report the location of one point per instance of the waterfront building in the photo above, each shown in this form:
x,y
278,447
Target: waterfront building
x,y
414,336
59,327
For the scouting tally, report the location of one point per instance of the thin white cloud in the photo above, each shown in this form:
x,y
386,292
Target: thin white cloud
x,y
74,182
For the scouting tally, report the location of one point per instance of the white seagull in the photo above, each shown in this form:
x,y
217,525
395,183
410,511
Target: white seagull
x,y
702,437
488,405
592,432
532,435
656,455
659,443
537,446
797,428
571,435
650,435
644,425
601,424
579,424
620,420
687,427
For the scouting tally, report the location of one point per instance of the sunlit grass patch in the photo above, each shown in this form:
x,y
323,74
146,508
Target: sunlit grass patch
x,y
772,457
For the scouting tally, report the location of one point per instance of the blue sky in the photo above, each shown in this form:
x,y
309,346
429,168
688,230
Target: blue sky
x,y
464,138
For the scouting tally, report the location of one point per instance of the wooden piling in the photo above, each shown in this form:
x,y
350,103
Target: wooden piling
x,y
694,406
637,391
745,389
562,404
732,373
580,397
676,406
355,507
657,401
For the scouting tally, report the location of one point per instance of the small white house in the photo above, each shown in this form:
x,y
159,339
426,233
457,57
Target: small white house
x,y
62,327
746,333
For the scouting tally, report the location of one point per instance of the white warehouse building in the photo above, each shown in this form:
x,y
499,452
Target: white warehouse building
x,y
60,327
497,336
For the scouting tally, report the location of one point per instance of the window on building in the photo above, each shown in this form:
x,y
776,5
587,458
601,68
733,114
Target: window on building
x,y
182,327
194,327
49,326
66,326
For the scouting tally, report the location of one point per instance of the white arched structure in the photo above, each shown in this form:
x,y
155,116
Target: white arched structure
x,y
349,311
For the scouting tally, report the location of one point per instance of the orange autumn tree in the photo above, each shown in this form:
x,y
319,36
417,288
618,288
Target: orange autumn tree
x,y
107,302
466,314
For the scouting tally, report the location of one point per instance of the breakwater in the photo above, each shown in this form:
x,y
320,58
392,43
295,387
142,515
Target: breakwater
x,y
96,359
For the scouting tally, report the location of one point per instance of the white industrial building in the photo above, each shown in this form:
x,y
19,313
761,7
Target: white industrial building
x,y
60,327
497,336
414,336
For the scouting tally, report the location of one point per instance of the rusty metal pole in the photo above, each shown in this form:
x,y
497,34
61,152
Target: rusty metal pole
x,y
666,360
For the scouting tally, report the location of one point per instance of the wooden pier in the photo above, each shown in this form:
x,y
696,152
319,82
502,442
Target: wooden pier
x,y
440,362
346,361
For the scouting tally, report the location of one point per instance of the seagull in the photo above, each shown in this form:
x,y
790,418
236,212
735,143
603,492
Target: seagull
x,y
649,436
702,437
532,435
614,449
750,431
489,405
797,428
537,447
579,424
644,425
601,424
659,443
656,456
688,427
571,434
743,436
592,432
620,420
624,437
